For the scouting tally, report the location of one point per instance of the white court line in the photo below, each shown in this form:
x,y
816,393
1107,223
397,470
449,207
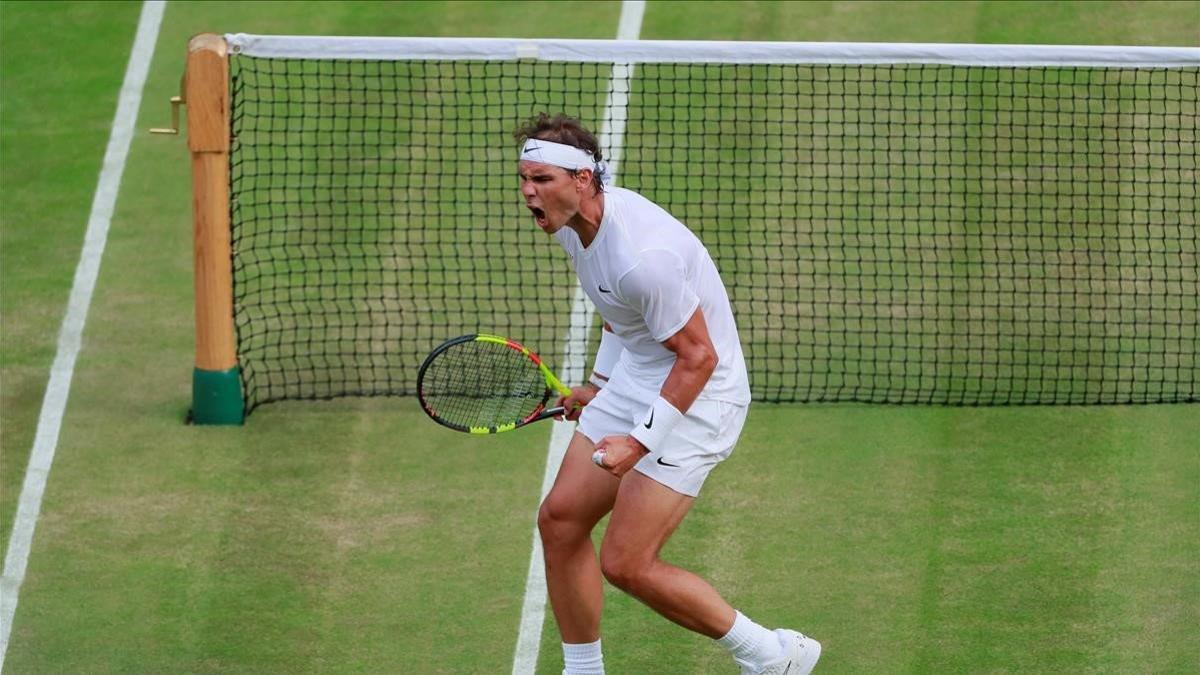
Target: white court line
x,y
612,136
45,441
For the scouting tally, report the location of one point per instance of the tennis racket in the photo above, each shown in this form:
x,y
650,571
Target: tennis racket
x,y
486,384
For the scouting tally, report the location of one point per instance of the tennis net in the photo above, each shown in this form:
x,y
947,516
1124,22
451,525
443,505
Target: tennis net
x,y
944,224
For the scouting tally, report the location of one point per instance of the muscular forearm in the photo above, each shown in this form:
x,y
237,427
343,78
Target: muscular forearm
x,y
688,377
695,360
693,366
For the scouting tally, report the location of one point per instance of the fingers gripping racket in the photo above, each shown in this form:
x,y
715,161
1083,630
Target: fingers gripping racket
x,y
485,384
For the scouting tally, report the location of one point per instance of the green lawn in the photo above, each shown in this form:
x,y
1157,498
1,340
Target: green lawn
x,y
355,536
53,131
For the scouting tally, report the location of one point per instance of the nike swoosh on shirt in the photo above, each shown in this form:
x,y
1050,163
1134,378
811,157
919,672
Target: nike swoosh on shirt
x,y
650,422
662,463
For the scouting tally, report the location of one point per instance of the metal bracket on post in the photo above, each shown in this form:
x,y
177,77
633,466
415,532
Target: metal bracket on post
x,y
176,102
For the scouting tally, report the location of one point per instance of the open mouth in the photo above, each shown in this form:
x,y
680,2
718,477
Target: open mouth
x,y
539,215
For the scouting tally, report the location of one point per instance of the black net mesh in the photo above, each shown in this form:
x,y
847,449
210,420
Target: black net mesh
x,y
888,233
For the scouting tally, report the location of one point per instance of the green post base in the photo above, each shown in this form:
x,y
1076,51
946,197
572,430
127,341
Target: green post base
x,y
217,396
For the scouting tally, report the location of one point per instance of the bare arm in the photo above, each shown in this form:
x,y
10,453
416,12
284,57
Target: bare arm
x,y
695,360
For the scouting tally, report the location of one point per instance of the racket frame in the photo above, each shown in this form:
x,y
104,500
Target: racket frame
x,y
553,385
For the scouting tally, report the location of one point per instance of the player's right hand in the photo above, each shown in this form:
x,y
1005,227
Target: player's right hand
x,y
580,397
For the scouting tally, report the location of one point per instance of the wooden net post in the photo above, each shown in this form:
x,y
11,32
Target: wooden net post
x,y
216,381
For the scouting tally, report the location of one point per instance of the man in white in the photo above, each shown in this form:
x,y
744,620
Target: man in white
x,y
665,404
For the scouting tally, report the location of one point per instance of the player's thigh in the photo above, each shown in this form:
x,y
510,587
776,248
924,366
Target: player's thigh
x,y
583,492
645,514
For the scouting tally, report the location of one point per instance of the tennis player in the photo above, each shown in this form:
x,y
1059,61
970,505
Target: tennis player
x,y
664,405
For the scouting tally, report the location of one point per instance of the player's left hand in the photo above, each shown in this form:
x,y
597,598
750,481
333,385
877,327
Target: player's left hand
x,y
618,454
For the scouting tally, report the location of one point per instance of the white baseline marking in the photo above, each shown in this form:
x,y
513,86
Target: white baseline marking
x,y
612,135
54,404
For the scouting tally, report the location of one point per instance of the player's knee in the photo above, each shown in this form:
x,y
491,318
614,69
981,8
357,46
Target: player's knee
x,y
557,524
623,571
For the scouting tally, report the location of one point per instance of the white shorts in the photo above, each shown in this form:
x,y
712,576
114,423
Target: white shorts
x,y
702,439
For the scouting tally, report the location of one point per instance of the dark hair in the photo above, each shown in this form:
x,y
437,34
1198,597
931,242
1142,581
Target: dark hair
x,y
565,130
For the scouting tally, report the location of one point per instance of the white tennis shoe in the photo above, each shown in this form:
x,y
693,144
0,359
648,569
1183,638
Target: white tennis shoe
x,y
800,654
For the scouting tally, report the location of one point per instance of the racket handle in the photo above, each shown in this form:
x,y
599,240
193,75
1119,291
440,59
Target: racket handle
x,y
551,412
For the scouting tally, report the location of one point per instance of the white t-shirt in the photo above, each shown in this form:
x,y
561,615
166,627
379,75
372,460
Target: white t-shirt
x,y
647,273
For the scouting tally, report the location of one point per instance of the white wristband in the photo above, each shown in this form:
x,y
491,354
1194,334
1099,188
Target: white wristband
x,y
607,356
657,424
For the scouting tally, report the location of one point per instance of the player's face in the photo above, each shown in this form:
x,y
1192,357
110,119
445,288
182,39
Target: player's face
x,y
550,193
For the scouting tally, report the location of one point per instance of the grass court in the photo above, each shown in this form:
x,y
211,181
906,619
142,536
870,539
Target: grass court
x,y
357,536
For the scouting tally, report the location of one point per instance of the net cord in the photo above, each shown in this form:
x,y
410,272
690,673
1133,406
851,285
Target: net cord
x,y
695,51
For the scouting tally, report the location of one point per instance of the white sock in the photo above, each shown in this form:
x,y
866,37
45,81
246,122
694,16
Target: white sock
x,y
584,659
752,645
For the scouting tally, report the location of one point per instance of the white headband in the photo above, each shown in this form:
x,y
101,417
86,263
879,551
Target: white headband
x,y
565,156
